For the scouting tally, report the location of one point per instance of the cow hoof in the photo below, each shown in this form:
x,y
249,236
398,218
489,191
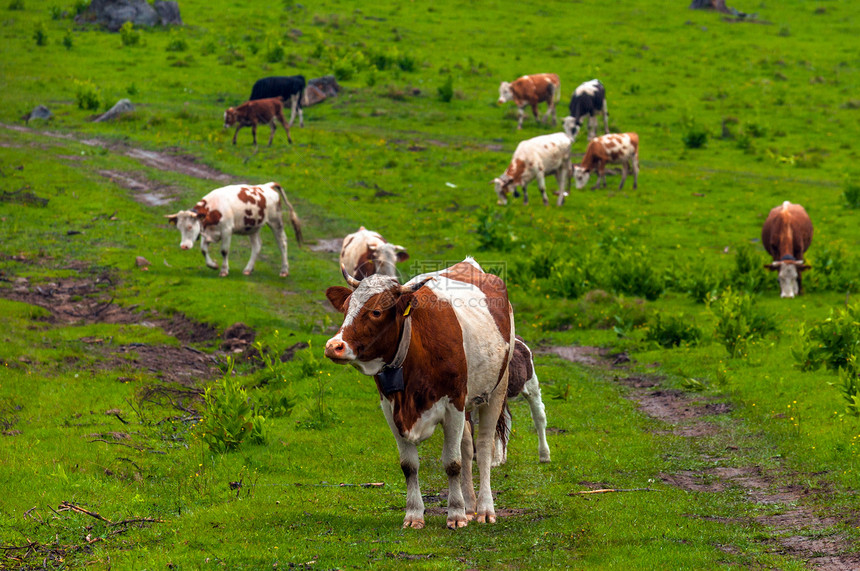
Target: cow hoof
x,y
413,523
486,518
457,523
212,267
247,272
223,274
284,274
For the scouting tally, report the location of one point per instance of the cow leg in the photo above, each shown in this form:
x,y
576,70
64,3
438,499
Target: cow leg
x,y
550,111
489,416
467,485
605,117
453,426
204,247
535,112
525,194
541,181
225,253
274,127
592,126
277,227
531,392
284,125
256,246
254,132
293,103
635,161
624,171
236,133
414,517
601,177
563,177
521,112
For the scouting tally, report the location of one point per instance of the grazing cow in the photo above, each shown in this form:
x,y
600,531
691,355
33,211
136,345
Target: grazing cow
x,y
534,159
365,253
614,148
587,100
237,209
290,88
258,112
438,347
786,235
523,380
531,90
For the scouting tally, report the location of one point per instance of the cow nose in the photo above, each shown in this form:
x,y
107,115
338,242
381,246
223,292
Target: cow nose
x,y
335,348
184,247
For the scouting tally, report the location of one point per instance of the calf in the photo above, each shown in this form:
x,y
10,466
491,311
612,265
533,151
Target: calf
x,y
615,148
438,347
587,100
365,253
237,209
290,88
257,112
531,90
786,235
534,159
523,380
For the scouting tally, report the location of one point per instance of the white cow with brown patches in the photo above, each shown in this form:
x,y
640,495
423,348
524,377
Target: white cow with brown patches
x,y
237,209
531,90
366,252
534,159
437,347
613,148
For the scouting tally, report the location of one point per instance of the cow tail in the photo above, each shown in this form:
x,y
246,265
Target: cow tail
x,y
557,94
294,219
503,426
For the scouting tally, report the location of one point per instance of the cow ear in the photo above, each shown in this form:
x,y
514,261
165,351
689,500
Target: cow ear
x,y
172,218
338,295
402,255
404,303
803,267
772,266
200,214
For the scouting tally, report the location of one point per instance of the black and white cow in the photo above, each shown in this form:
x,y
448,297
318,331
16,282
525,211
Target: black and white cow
x,y
588,99
290,88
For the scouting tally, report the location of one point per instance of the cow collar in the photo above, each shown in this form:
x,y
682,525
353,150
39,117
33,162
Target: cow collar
x,y
391,375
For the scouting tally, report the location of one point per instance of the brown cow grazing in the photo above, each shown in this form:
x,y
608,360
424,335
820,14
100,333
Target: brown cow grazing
x,y
522,380
438,347
366,252
786,235
613,148
531,90
257,112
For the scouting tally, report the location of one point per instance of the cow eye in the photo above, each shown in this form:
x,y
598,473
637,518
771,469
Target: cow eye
x,y
376,313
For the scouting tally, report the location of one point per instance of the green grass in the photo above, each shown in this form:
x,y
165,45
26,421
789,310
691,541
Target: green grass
x,y
785,90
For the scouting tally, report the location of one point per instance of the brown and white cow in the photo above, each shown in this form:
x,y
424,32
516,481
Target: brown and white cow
x,y
438,346
366,252
531,90
613,148
523,380
534,159
786,235
257,112
237,209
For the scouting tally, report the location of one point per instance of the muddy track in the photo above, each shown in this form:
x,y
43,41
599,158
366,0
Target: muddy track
x,y
800,529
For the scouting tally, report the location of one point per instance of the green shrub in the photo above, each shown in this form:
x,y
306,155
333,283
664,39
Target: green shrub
x,y
80,6
130,36
739,322
228,418
275,54
569,280
851,196
832,269
446,90
749,275
673,331
849,386
833,343
407,63
494,231
40,34
16,5
177,43
68,41
695,137
703,286
631,272
56,12
87,95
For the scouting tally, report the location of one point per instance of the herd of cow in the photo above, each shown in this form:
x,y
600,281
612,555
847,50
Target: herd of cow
x,y
442,347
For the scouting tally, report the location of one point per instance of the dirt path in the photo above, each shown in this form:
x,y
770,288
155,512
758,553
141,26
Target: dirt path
x,y
800,529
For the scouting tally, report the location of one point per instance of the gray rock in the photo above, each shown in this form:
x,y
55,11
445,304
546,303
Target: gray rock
x,y
122,106
114,13
168,11
40,112
319,89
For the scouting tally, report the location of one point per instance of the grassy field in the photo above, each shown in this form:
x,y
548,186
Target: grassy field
x,y
730,424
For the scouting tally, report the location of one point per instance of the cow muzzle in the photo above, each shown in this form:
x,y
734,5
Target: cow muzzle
x,y
338,351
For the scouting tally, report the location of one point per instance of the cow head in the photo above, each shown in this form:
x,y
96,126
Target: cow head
x,y
580,176
386,256
189,224
230,117
571,128
789,276
505,93
503,186
373,311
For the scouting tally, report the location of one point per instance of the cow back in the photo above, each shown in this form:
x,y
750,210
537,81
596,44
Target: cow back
x,y
787,231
